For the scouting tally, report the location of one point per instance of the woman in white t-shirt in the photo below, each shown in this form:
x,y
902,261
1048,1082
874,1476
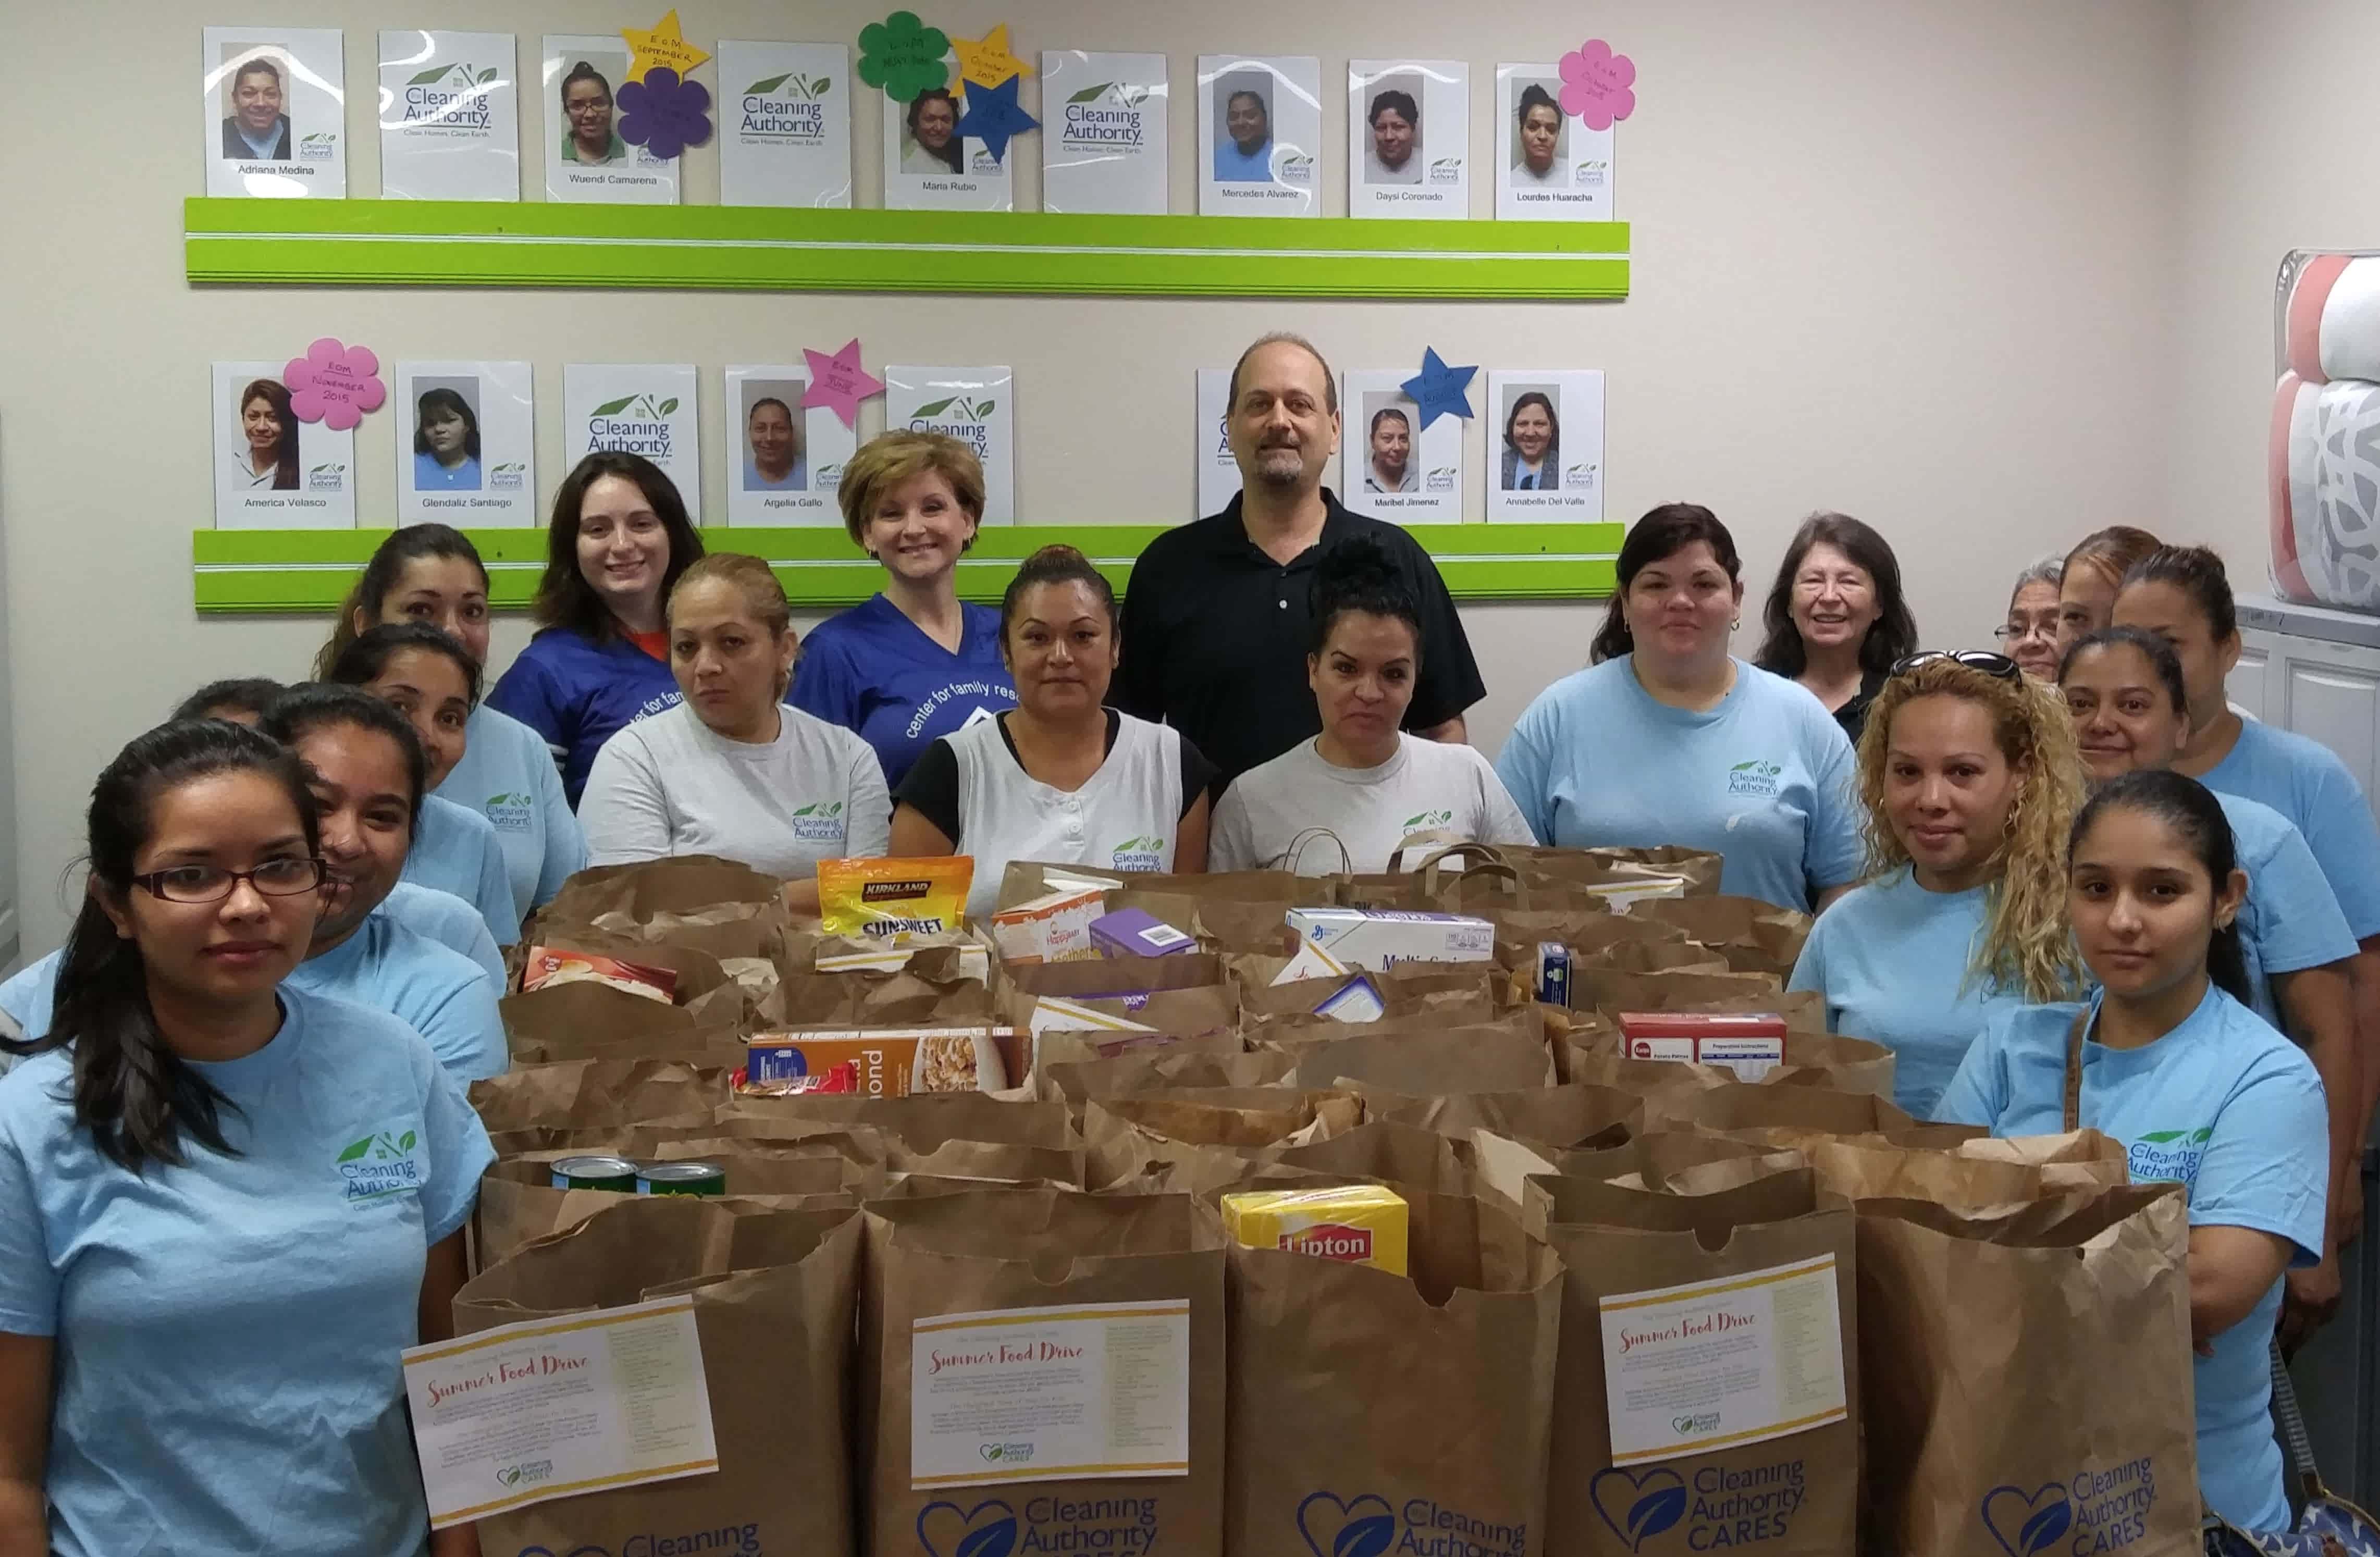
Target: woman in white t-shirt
x,y
731,771
1363,779
1061,777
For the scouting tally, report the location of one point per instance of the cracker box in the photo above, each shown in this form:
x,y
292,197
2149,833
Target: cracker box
x,y
1750,1044
1361,1225
891,1064
1374,939
1055,926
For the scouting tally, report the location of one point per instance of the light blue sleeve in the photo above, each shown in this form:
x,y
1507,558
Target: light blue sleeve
x,y
29,994
2298,920
467,1032
526,691
2267,1165
485,951
29,1281
495,894
565,842
1810,968
2346,841
1834,854
867,828
1523,766
459,1154
1978,1094
823,684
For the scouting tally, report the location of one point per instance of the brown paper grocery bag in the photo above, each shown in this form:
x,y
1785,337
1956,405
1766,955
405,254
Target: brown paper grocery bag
x,y
1795,1117
1124,1135
1426,1064
1401,1155
2026,1376
1372,1413
596,1093
921,1121
1786,1487
775,1294
1140,1070
1615,992
875,997
1064,1046
517,1206
1975,1173
1058,1252
1573,1114
683,885
1753,936
1648,957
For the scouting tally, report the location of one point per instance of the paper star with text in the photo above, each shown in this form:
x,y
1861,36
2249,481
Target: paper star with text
x,y
1438,390
993,115
839,382
986,62
661,46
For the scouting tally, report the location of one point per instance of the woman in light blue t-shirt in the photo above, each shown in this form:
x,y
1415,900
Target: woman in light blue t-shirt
x,y
1667,739
1969,778
226,1204
432,575
2197,1087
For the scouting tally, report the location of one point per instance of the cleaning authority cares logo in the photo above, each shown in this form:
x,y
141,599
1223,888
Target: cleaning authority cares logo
x,y
387,1162
995,1528
1755,777
1366,1525
2169,1155
1107,118
789,109
962,417
820,821
1144,853
454,96
2096,1512
634,424
1724,1507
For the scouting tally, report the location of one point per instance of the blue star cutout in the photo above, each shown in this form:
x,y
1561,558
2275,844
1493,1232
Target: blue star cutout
x,y
993,115
1438,390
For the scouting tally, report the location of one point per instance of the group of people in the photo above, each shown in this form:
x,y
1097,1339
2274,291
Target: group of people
x,y
2064,882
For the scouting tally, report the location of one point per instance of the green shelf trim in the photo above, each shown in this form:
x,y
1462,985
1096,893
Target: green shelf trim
x,y
256,571
445,243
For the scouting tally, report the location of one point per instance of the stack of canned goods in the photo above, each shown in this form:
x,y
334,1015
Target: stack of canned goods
x,y
623,1176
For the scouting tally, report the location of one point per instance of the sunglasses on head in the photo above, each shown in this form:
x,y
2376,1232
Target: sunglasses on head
x,y
1990,662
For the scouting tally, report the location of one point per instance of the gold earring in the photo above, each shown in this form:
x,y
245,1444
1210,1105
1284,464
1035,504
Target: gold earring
x,y
1736,626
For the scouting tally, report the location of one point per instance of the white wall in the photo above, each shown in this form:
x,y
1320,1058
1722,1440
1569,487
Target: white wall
x,y
2279,156
1897,257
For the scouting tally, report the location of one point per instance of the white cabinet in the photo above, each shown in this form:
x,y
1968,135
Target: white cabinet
x,y
2317,671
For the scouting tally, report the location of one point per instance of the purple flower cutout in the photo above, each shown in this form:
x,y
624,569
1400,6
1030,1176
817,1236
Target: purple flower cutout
x,y
664,113
1597,85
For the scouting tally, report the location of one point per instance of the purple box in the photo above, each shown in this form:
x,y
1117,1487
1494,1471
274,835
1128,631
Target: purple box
x,y
1134,933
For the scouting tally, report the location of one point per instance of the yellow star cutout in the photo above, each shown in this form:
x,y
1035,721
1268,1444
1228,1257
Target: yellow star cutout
x,y
986,62
662,44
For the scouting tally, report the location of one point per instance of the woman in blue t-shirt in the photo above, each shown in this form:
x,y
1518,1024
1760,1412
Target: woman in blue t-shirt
x,y
2199,1090
914,663
432,575
225,1206
1669,739
1969,779
618,539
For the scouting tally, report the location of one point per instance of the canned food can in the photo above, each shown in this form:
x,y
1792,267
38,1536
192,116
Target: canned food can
x,y
681,1178
595,1173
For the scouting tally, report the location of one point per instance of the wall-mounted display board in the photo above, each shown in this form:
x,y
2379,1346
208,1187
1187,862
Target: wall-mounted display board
x,y
438,243
259,571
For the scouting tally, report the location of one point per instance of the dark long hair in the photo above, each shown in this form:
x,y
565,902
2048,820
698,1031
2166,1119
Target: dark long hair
x,y
380,574
2196,571
564,598
315,705
1659,535
361,662
2191,809
2156,650
1892,638
954,152
1357,574
284,450
444,399
249,694
140,1101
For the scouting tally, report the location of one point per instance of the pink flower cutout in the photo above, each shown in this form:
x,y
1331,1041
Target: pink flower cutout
x,y
335,384
1596,85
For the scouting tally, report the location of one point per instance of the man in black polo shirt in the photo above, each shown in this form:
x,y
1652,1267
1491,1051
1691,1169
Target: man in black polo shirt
x,y
1217,620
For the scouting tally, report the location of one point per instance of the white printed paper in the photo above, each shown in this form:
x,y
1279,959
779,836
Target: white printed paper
x,y
273,112
585,158
1409,139
1219,473
1390,466
1042,1395
549,1408
1723,1363
1550,168
449,115
785,125
1751,1059
976,405
272,470
784,465
1259,135
930,166
637,408
1103,132
465,443
1545,445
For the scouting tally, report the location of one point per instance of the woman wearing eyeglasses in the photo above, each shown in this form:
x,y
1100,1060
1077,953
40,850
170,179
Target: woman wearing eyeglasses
x,y
201,1156
2029,635
1970,781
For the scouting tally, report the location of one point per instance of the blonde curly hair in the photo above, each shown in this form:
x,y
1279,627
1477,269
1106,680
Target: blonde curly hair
x,y
2028,944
